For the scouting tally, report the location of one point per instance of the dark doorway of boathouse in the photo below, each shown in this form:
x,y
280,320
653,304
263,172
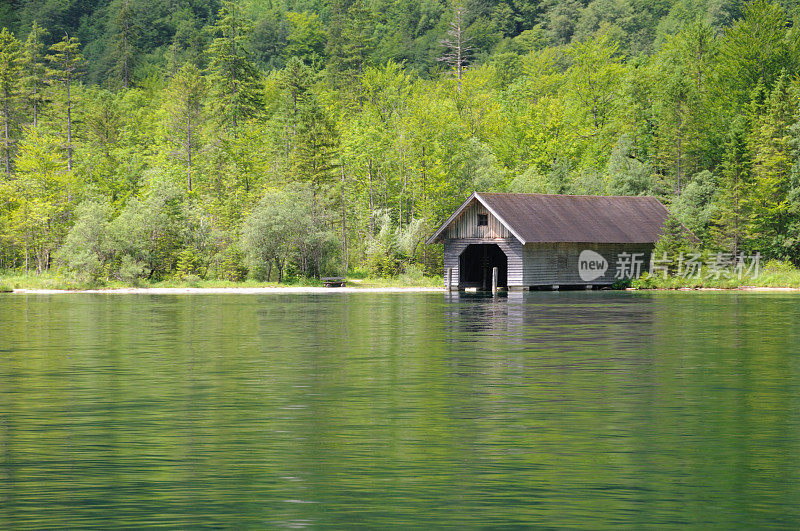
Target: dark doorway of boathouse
x,y
475,266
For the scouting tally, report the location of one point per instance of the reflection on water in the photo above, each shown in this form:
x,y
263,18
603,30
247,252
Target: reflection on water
x,y
598,409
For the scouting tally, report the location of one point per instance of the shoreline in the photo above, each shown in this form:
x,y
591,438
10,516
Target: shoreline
x,y
738,288
231,291
322,290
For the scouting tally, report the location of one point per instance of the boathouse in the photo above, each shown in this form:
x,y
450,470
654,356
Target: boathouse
x,y
548,241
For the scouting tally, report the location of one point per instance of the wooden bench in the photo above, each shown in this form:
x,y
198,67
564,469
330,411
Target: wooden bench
x,y
333,282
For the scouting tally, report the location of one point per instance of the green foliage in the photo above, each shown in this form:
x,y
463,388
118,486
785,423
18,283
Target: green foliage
x,y
10,67
394,249
306,38
696,208
34,79
87,251
184,108
231,264
756,48
188,265
283,231
674,242
150,232
227,139
627,175
235,81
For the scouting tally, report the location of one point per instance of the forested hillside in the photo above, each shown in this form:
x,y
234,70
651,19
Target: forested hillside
x,y
165,139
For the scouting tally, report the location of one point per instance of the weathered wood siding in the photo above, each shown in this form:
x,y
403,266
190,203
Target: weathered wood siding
x,y
466,225
510,246
557,263
534,264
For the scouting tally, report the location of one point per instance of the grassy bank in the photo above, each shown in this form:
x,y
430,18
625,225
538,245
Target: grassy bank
x,y
782,277
774,275
49,281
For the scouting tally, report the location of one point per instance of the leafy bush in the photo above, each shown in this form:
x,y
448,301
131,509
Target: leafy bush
x,y
149,231
287,230
131,270
674,241
87,251
188,264
394,248
231,264
413,274
778,266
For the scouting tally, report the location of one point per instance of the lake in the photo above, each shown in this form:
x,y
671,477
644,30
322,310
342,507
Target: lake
x,y
570,409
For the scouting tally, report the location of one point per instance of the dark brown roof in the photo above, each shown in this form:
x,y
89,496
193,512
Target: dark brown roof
x,y
574,218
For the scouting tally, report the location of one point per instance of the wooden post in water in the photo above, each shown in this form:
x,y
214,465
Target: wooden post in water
x,y
494,281
449,279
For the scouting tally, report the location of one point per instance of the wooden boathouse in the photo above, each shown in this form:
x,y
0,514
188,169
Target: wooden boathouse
x,y
546,241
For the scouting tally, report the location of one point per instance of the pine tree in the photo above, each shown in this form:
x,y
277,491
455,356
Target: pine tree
x,y
731,223
184,105
771,144
66,60
35,70
681,80
334,48
315,145
296,81
9,83
124,50
756,48
235,81
350,41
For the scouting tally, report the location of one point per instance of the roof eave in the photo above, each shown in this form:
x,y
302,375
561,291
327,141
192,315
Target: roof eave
x,y
500,219
443,226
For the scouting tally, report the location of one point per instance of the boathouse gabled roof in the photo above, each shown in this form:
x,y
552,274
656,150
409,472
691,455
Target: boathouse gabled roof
x,y
547,218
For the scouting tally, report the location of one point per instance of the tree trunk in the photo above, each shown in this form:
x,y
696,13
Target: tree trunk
x,y
344,222
371,200
188,147
7,145
69,127
35,101
235,87
680,147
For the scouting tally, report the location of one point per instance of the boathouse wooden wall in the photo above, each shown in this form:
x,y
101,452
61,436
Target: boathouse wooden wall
x,y
547,264
544,264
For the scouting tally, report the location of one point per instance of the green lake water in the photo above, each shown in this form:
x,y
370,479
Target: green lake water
x,y
572,409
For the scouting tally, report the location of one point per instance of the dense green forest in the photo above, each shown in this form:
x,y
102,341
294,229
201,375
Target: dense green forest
x,y
185,138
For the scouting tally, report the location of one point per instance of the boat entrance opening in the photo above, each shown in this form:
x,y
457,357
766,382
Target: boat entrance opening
x,y
475,266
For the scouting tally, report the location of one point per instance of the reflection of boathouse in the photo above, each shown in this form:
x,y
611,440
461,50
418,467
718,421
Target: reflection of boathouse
x,y
539,240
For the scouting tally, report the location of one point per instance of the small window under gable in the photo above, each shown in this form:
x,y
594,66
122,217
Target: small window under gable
x,y
483,220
